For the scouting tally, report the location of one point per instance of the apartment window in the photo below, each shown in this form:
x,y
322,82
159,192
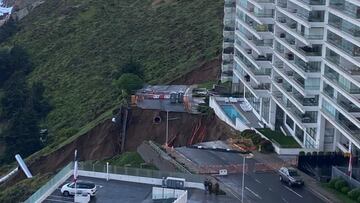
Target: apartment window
x,y
265,108
311,132
309,143
255,103
299,133
289,122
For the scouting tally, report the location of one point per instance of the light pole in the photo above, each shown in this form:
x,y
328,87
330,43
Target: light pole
x,y
167,128
243,176
243,181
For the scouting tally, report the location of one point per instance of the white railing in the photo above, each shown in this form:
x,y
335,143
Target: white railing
x,y
41,194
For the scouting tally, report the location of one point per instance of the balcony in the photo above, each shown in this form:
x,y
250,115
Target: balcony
x,y
258,90
259,61
340,121
259,46
346,8
258,30
290,27
313,2
308,117
334,77
299,100
345,104
343,45
345,27
339,63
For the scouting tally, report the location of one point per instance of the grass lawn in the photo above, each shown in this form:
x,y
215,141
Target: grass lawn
x,y
280,138
342,197
131,159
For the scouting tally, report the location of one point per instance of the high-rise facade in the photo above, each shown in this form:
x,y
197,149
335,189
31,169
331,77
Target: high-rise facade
x,y
297,62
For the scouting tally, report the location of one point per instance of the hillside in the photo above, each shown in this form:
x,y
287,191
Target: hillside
x,y
77,46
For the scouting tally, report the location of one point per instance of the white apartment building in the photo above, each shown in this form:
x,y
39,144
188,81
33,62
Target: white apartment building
x,y
297,62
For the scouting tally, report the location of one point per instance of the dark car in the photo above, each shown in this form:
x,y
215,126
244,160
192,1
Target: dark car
x,y
290,176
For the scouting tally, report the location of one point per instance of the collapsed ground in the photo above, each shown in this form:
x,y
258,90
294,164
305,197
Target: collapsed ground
x,y
102,142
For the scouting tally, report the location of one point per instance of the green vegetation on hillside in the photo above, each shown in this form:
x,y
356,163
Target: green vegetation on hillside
x,y
130,159
22,107
78,46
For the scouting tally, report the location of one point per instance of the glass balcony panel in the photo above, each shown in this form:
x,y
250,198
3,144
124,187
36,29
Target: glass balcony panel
x,y
344,25
344,45
342,63
342,82
341,119
310,67
315,50
346,8
347,105
314,2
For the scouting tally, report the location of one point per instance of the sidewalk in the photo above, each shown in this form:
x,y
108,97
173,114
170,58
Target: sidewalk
x,y
312,185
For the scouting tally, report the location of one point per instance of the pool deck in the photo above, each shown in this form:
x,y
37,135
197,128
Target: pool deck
x,y
253,121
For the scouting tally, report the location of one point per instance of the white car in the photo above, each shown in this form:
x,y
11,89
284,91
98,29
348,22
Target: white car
x,y
81,188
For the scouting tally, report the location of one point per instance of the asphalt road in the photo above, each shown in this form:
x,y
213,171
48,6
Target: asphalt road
x,y
113,191
259,186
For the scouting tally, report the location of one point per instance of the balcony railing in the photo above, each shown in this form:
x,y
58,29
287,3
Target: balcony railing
x,y
351,10
302,118
343,122
292,25
308,51
347,105
314,2
345,46
334,77
351,69
310,67
350,28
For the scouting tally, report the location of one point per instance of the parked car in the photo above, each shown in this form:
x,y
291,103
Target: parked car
x,y
290,176
81,187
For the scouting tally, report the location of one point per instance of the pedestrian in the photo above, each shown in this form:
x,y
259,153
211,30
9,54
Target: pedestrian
x,y
217,188
206,186
210,187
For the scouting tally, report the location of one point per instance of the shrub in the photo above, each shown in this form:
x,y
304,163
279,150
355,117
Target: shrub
x,y
340,184
301,153
332,182
345,189
256,139
358,199
248,133
266,146
354,193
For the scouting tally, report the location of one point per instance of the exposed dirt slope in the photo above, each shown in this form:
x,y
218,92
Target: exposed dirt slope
x,y
206,71
103,141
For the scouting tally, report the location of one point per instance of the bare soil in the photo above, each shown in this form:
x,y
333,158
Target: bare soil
x,y
103,141
206,71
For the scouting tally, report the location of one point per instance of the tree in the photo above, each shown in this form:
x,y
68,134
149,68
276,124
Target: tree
x,y
133,67
128,82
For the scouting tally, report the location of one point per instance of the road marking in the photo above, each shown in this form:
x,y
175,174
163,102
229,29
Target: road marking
x,y
293,191
55,200
258,196
284,200
257,180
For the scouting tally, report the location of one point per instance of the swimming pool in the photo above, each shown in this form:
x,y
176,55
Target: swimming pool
x,y
232,113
